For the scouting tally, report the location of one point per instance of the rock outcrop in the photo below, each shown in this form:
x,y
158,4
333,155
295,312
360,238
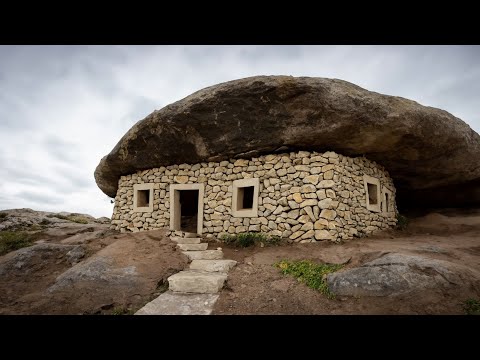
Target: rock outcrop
x,y
422,147
395,273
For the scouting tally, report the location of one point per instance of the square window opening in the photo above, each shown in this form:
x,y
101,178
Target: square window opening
x,y
143,198
372,193
245,198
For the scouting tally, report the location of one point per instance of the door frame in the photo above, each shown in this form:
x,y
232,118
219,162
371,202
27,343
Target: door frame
x,y
175,211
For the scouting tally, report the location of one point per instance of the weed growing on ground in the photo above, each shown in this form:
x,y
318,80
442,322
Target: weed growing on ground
x,y
402,222
311,274
471,307
122,311
14,240
247,239
72,217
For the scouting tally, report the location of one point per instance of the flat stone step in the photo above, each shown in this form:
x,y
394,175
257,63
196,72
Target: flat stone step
x,y
193,247
170,303
212,265
204,255
194,281
190,235
181,240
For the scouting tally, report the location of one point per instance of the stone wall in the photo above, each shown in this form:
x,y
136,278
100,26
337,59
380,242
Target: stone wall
x,y
303,196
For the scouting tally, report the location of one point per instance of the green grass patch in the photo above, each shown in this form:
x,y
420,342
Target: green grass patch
x,y
14,240
247,239
402,222
471,307
123,311
35,227
311,274
72,217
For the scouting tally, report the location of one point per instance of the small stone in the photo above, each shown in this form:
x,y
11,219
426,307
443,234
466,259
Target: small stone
x,y
325,203
311,179
322,235
320,224
302,168
328,214
321,194
296,234
330,154
293,214
293,204
309,212
278,210
328,175
303,219
328,167
330,193
181,179
307,226
309,202
274,181
308,234
254,228
297,197
326,184
220,208
308,188
240,162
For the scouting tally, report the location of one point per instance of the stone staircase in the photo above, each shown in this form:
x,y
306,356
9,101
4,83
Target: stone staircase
x,y
193,291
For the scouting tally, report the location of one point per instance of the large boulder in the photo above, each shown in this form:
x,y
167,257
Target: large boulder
x,y
422,147
396,273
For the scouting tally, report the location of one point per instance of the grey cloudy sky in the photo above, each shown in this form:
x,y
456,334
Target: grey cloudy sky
x,y
62,108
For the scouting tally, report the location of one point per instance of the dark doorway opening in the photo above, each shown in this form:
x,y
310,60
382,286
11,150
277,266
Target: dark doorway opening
x,y
189,210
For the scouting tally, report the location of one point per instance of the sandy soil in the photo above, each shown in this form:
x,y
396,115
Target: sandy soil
x,y
255,286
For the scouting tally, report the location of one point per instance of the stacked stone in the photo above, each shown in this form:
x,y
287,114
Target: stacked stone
x,y
303,196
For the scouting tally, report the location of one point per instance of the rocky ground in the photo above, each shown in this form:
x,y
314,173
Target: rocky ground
x,y
75,265
431,267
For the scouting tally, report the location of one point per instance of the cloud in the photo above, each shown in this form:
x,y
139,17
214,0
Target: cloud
x,y
39,199
62,108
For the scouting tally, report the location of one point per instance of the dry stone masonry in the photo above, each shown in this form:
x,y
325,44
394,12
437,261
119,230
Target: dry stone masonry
x,y
303,196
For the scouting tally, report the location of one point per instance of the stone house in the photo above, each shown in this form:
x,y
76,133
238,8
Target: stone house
x,y
304,196
301,158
